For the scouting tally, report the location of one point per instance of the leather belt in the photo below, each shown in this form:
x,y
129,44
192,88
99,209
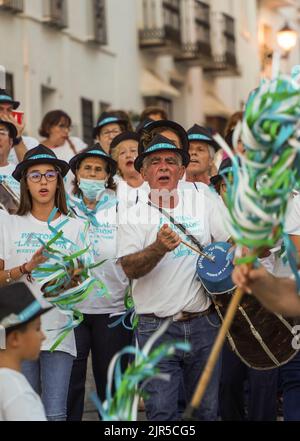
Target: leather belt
x,y
183,316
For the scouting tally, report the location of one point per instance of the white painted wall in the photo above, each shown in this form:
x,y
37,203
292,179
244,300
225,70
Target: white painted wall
x,y
62,60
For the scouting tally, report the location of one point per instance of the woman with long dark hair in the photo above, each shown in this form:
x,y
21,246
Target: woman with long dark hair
x,y
41,190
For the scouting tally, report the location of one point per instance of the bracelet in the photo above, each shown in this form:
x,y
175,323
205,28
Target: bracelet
x,y
18,140
9,278
24,271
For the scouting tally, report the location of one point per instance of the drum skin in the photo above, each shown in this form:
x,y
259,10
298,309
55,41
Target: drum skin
x,y
261,339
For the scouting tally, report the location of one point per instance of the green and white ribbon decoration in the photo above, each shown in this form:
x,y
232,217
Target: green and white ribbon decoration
x,y
265,176
66,276
123,404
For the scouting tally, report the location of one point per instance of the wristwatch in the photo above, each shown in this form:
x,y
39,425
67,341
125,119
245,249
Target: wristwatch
x,y
9,278
18,140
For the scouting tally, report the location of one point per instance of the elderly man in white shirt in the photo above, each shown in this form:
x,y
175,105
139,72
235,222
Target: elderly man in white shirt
x,y
163,270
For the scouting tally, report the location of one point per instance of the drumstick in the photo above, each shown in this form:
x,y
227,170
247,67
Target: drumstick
x,y
213,357
198,251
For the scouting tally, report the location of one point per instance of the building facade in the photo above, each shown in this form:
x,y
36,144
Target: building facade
x,y
198,59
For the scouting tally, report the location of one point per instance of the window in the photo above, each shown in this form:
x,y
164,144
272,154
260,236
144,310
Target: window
x,y
87,116
202,20
229,35
158,101
55,13
9,84
103,107
172,13
100,21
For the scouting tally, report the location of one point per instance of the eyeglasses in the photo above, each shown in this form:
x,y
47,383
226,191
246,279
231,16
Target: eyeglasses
x,y
111,132
36,177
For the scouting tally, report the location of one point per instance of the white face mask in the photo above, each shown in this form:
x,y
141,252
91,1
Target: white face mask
x,y
91,188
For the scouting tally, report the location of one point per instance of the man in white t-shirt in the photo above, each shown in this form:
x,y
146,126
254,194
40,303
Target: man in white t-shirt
x,y
20,339
9,187
163,269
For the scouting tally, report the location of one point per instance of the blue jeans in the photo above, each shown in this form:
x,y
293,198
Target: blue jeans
x,y
94,335
49,376
162,396
290,384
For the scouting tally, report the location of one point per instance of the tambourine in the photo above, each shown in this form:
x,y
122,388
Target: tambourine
x,y
215,273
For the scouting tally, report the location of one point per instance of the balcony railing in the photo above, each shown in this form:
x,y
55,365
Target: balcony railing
x,y
14,6
161,27
55,13
223,46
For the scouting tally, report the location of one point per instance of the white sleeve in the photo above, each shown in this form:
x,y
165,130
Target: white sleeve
x,y
25,407
217,212
78,143
129,239
292,221
268,262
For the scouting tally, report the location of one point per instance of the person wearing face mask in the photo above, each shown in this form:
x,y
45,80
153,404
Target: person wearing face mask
x,y
130,184
94,199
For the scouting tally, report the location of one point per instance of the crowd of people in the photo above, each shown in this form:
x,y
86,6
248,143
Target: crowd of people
x,y
145,194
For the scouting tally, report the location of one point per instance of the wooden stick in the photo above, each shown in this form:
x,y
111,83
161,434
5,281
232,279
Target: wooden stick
x,y
213,357
198,251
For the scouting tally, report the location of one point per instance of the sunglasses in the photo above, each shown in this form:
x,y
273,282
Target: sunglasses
x,y
36,177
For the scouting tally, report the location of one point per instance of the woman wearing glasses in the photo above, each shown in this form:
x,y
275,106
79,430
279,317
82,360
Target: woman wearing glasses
x,y
109,125
94,199
41,189
55,129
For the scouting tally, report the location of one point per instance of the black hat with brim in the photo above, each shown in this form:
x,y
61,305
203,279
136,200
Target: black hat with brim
x,y
224,169
18,306
10,127
125,136
177,128
158,144
202,134
40,155
7,99
104,120
143,124
95,151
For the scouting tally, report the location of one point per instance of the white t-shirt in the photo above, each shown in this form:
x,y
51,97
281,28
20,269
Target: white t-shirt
x,y
18,401
65,153
292,220
29,142
6,177
103,240
173,285
292,227
129,196
18,242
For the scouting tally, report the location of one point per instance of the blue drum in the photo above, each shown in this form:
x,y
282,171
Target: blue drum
x,y
216,275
